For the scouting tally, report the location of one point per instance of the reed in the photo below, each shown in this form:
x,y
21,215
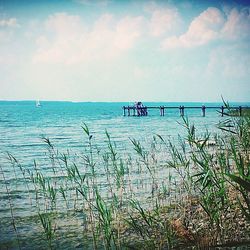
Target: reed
x,y
15,163
105,221
48,227
153,230
11,206
165,195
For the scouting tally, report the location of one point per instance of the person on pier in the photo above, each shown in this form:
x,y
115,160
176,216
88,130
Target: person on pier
x,y
140,108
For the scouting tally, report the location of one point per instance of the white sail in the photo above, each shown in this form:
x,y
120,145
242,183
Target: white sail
x,y
38,103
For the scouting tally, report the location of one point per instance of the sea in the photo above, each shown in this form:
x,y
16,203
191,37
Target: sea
x,y
24,127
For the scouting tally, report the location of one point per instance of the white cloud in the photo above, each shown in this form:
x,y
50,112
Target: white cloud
x,y
11,22
164,21
213,24
203,29
67,40
128,30
64,24
6,29
237,25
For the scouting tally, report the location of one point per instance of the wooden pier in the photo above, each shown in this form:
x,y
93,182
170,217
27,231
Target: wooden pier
x,y
143,111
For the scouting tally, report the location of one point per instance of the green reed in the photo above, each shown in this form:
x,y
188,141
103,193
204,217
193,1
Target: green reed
x,y
11,206
213,167
117,163
153,230
186,196
105,221
48,227
15,163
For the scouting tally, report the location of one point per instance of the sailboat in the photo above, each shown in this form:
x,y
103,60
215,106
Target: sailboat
x,y
38,104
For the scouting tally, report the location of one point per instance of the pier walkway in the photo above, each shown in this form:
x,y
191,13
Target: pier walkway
x,y
143,111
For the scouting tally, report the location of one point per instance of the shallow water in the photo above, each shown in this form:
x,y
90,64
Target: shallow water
x,y
23,125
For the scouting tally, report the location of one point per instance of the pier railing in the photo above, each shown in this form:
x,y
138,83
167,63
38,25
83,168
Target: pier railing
x,y
143,111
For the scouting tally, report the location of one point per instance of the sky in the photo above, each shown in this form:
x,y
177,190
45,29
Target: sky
x,y
110,50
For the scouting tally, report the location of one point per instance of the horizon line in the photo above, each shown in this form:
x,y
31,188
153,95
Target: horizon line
x,y
127,101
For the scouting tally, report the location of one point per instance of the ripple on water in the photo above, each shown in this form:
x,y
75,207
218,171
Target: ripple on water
x,y
23,126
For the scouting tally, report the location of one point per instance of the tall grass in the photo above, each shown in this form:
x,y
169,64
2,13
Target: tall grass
x,y
165,195
49,229
11,207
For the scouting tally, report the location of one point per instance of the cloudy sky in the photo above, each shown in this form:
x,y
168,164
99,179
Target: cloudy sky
x,y
110,50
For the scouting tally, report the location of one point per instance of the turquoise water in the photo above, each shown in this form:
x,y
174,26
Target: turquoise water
x,y
23,125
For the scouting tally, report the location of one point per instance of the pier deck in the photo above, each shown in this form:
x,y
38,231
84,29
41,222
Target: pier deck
x,y
143,111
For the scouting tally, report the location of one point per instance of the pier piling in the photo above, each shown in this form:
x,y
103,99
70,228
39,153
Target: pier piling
x,y
181,110
222,110
134,111
124,111
203,108
162,110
